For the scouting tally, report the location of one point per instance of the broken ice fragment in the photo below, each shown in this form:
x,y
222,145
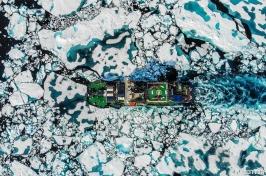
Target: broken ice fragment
x,y
17,26
31,89
114,167
18,98
142,161
123,144
93,156
214,127
19,169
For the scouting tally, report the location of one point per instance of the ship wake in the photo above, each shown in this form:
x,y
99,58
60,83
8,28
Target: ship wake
x,y
245,90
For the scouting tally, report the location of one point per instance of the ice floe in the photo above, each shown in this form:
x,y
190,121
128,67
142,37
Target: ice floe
x,y
18,26
61,7
52,49
19,169
202,23
93,157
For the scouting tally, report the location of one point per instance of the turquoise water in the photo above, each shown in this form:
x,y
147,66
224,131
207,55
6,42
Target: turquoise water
x,y
122,149
195,7
234,33
235,2
217,26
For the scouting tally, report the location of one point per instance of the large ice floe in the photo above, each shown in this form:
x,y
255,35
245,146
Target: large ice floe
x,y
50,50
60,7
93,43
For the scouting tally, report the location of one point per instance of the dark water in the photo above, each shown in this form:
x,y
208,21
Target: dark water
x,y
5,42
29,3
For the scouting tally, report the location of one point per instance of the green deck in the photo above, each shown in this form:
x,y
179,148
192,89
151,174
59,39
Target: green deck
x,y
158,92
96,86
99,101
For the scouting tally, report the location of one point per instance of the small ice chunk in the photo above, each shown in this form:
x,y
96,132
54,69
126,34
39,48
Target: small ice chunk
x,y
93,156
170,1
139,133
124,144
125,128
164,168
142,161
18,26
148,39
255,123
215,58
234,125
113,167
166,55
8,72
253,63
214,127
23,146
7,110
150,21
157,145
208,114
62,140
155,155
47,39
15,54
35,162
46,145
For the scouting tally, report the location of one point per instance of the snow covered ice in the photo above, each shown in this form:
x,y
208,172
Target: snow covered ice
x,y
50,50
